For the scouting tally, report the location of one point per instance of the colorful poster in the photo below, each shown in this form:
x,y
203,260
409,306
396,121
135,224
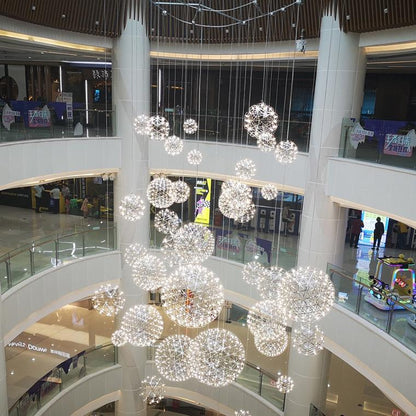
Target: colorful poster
x,y
8,116
203,201
397,145
367,235
39,118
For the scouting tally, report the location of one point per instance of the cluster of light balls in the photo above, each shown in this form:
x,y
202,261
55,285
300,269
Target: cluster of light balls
x,y
261,122
157,128
301,295
162,192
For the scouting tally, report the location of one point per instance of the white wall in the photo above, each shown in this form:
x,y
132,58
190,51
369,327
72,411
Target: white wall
x,y
219,160
376,188
45,292
86,395
25,161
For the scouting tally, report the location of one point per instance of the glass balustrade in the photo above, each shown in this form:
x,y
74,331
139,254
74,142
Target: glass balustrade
x,y
20,264
35,123
395,316
63,376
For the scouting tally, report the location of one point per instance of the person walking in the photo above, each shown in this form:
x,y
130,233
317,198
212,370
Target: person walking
x,y
378,233
356,227
38,195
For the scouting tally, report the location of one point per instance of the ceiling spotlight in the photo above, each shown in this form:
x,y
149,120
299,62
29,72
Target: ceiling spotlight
x,y
97,22
63,16
164,12
227,31
386,10
348,17
33,8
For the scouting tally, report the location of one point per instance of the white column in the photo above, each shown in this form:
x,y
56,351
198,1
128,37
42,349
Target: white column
x,y
131,96
338,93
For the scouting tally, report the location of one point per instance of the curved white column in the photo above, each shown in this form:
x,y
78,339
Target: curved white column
x,y
131,96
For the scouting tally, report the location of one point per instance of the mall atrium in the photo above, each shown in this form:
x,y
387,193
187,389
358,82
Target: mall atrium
x,y
207,208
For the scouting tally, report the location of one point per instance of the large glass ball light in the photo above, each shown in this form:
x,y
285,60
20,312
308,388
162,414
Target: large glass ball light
x,y
108,300
286,151
285,384
173,145
158,128
272,347
152,390
181,192
160,192
269,286
253,273
235,200
141,124
143,325
264,320
167,221
194,157
149,272
308,340
266,142
133,252
216,357
269,192
307,294
245,169
248,214
190,126
171,357
192,296
132,207
193,243
260,118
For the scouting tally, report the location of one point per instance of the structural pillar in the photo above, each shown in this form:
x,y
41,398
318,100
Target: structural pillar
x,y
338,94
131,96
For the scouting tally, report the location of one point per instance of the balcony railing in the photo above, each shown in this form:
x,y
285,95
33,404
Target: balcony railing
x,y
398,319
61,377
22,263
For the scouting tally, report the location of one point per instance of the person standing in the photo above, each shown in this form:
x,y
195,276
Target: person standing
x,y
356,227
84,207
38,195
55,196
378,233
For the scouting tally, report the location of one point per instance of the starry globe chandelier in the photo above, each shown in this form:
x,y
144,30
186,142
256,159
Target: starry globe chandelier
x,y
149,272
286,151
142,325
158,128
259,119
264,320
284,384
108,300
141,124
152,390
173,145
253,273
118,338
269,192
236,201
308,340
160,192
192,243
180,191
216,357
190,126
245,169
269,287
171,357
167,221
194,157
192,296
132,207
242,412
266,142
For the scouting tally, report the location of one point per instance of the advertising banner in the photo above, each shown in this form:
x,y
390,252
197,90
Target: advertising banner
x,y
398,145
39,118
203,201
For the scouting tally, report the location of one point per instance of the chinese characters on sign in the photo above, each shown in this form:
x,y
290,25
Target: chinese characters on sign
x,y
398,145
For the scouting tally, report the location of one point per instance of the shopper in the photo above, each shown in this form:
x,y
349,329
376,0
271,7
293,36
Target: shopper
x,y
55,195
84,207
66,193
356,227
38,196
378,233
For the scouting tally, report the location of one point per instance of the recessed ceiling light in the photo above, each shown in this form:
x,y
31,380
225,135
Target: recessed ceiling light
x,y
33,7
63,16
33,359
11,372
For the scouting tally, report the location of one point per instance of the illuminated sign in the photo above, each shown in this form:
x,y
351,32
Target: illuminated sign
x,y
398,145
31,347
203,201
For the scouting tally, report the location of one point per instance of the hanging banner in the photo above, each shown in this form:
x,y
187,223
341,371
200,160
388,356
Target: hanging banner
x,y
39,118
203,201
357,135
8,116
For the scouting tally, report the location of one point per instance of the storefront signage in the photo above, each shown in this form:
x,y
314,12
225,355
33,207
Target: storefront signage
x,y
8,116
67,98
31,347
39,118
399,145
358,135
